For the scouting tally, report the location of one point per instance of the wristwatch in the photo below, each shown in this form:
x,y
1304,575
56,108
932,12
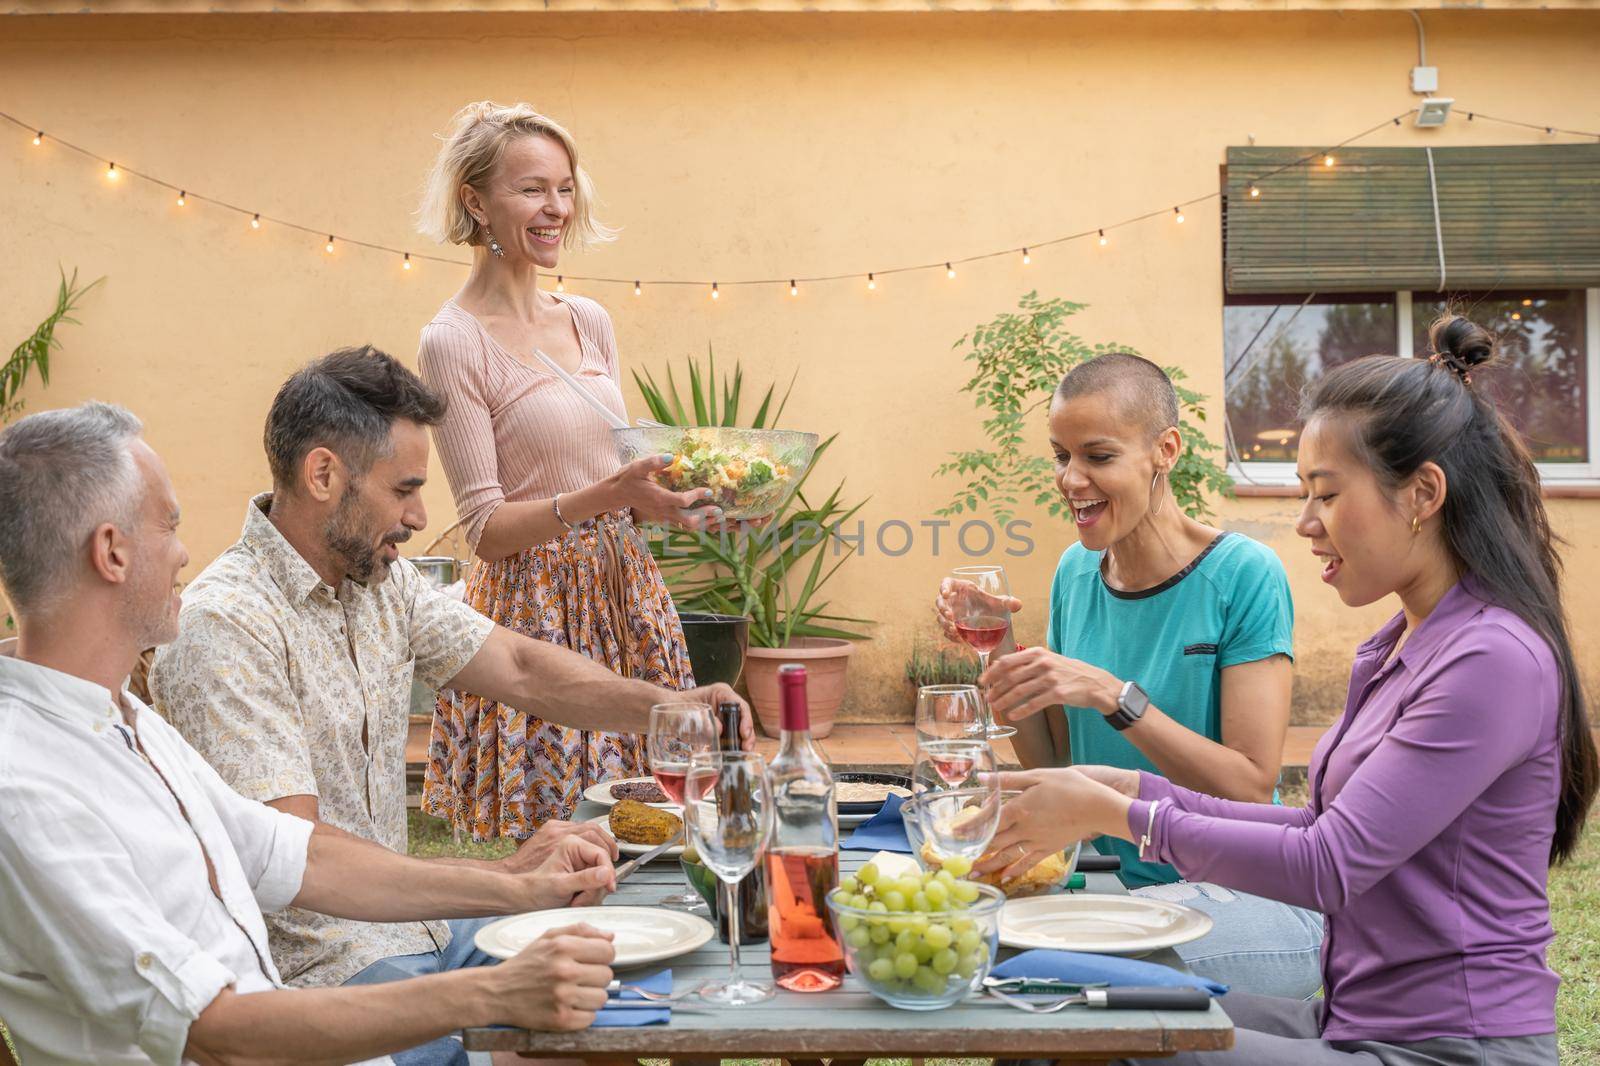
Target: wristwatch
x,y
1132,702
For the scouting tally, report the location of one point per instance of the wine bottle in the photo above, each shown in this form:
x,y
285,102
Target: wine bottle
x,y
803,857
753,889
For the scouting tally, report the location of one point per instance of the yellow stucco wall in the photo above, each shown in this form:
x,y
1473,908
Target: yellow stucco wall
x,y
725,146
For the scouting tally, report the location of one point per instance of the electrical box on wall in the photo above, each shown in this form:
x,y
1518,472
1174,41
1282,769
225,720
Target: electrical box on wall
x,y
1424,79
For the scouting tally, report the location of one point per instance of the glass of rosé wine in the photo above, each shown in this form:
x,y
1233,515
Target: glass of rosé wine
x,y
978,595
679,732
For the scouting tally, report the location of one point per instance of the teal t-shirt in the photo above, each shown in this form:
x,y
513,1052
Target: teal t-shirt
x,y
1230,606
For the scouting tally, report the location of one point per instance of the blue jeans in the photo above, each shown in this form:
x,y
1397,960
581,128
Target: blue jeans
x,y
1256,945
460,954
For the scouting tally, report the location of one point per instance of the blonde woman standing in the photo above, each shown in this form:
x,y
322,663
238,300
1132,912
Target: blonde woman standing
x,y
537,483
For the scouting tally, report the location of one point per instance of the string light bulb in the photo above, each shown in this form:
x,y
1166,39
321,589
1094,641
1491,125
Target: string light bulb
x,y
561,283
38,138
1104,240
405,264
794,290
1527,303
1026,258
255,223
1516,316
1179,213
329,246
182,197
636,289
949,271
714,293
1255,192
872,282
1327,160
111,172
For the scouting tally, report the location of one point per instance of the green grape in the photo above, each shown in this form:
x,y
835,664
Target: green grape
x,y
964,891
906,940
899,925
958,865
877,906
922,950
938,936
944,961
859,902
859,937
962,925
905,965
968,940
880,969
967,965
911,885
879,934
848,922
868,874
895,901
920,902
919,922
938,894
928,982
945,877
849,884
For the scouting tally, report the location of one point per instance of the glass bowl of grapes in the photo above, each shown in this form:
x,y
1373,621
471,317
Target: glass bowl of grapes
x,y
919,942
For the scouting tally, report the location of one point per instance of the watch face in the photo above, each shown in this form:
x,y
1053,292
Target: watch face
x,y
1134,701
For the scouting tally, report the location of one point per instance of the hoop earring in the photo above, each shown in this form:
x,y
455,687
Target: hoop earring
x,y
1156,510
1416,524
494,245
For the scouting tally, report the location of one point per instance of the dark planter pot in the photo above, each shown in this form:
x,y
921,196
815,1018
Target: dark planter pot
x,y
717,645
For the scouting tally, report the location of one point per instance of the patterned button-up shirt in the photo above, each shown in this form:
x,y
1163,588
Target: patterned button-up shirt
x,y
290,687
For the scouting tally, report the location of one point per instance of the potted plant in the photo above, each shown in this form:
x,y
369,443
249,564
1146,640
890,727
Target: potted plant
x,y
773,575
1020,358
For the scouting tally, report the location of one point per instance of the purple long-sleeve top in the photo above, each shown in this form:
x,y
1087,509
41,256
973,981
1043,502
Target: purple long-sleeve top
x,y
1427,838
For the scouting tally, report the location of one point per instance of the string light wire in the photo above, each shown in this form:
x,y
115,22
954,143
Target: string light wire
x,y
1324,155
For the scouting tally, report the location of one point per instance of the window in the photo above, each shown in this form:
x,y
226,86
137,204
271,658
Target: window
x,y
1272,348
1273,345
1542,384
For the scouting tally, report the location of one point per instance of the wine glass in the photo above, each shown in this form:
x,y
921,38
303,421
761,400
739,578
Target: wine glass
x,y
948,712
729,819
678,732
958,796
982,620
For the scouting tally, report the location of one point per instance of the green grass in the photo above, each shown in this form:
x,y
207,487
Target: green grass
x,y
1574,910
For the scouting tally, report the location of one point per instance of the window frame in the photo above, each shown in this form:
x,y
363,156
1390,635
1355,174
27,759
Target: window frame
x,y
1277,475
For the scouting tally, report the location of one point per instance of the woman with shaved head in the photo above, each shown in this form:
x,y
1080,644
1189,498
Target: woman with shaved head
x,y
1169,650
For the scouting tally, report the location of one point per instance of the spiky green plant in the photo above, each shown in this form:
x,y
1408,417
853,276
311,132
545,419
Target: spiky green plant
x,y
774,574
33,354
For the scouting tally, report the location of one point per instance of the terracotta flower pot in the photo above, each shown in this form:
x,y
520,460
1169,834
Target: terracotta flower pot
x,y
825,660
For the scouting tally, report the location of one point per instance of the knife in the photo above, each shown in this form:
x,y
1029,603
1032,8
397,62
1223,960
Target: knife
x,y
650,856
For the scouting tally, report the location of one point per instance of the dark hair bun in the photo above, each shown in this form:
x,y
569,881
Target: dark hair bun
x,y
1460,343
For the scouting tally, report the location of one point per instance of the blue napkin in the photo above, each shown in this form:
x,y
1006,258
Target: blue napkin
x,y
885,831
617,1019
1081,968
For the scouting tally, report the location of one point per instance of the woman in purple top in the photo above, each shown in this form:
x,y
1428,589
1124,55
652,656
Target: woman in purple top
x,y
1462,766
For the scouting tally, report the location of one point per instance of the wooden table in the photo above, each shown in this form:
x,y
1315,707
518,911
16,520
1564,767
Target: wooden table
x,y
851,1023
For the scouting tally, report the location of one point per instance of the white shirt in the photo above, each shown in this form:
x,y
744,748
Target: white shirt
x,y
111,939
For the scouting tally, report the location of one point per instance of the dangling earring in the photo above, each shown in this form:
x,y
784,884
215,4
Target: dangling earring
x,y
1157,509
494,245
1416,524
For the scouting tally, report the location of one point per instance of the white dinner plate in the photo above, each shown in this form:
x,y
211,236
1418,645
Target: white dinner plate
x,y
1110,925
600,792
628,848
643,934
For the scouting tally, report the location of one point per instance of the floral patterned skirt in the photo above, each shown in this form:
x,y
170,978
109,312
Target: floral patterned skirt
x,y
494,771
